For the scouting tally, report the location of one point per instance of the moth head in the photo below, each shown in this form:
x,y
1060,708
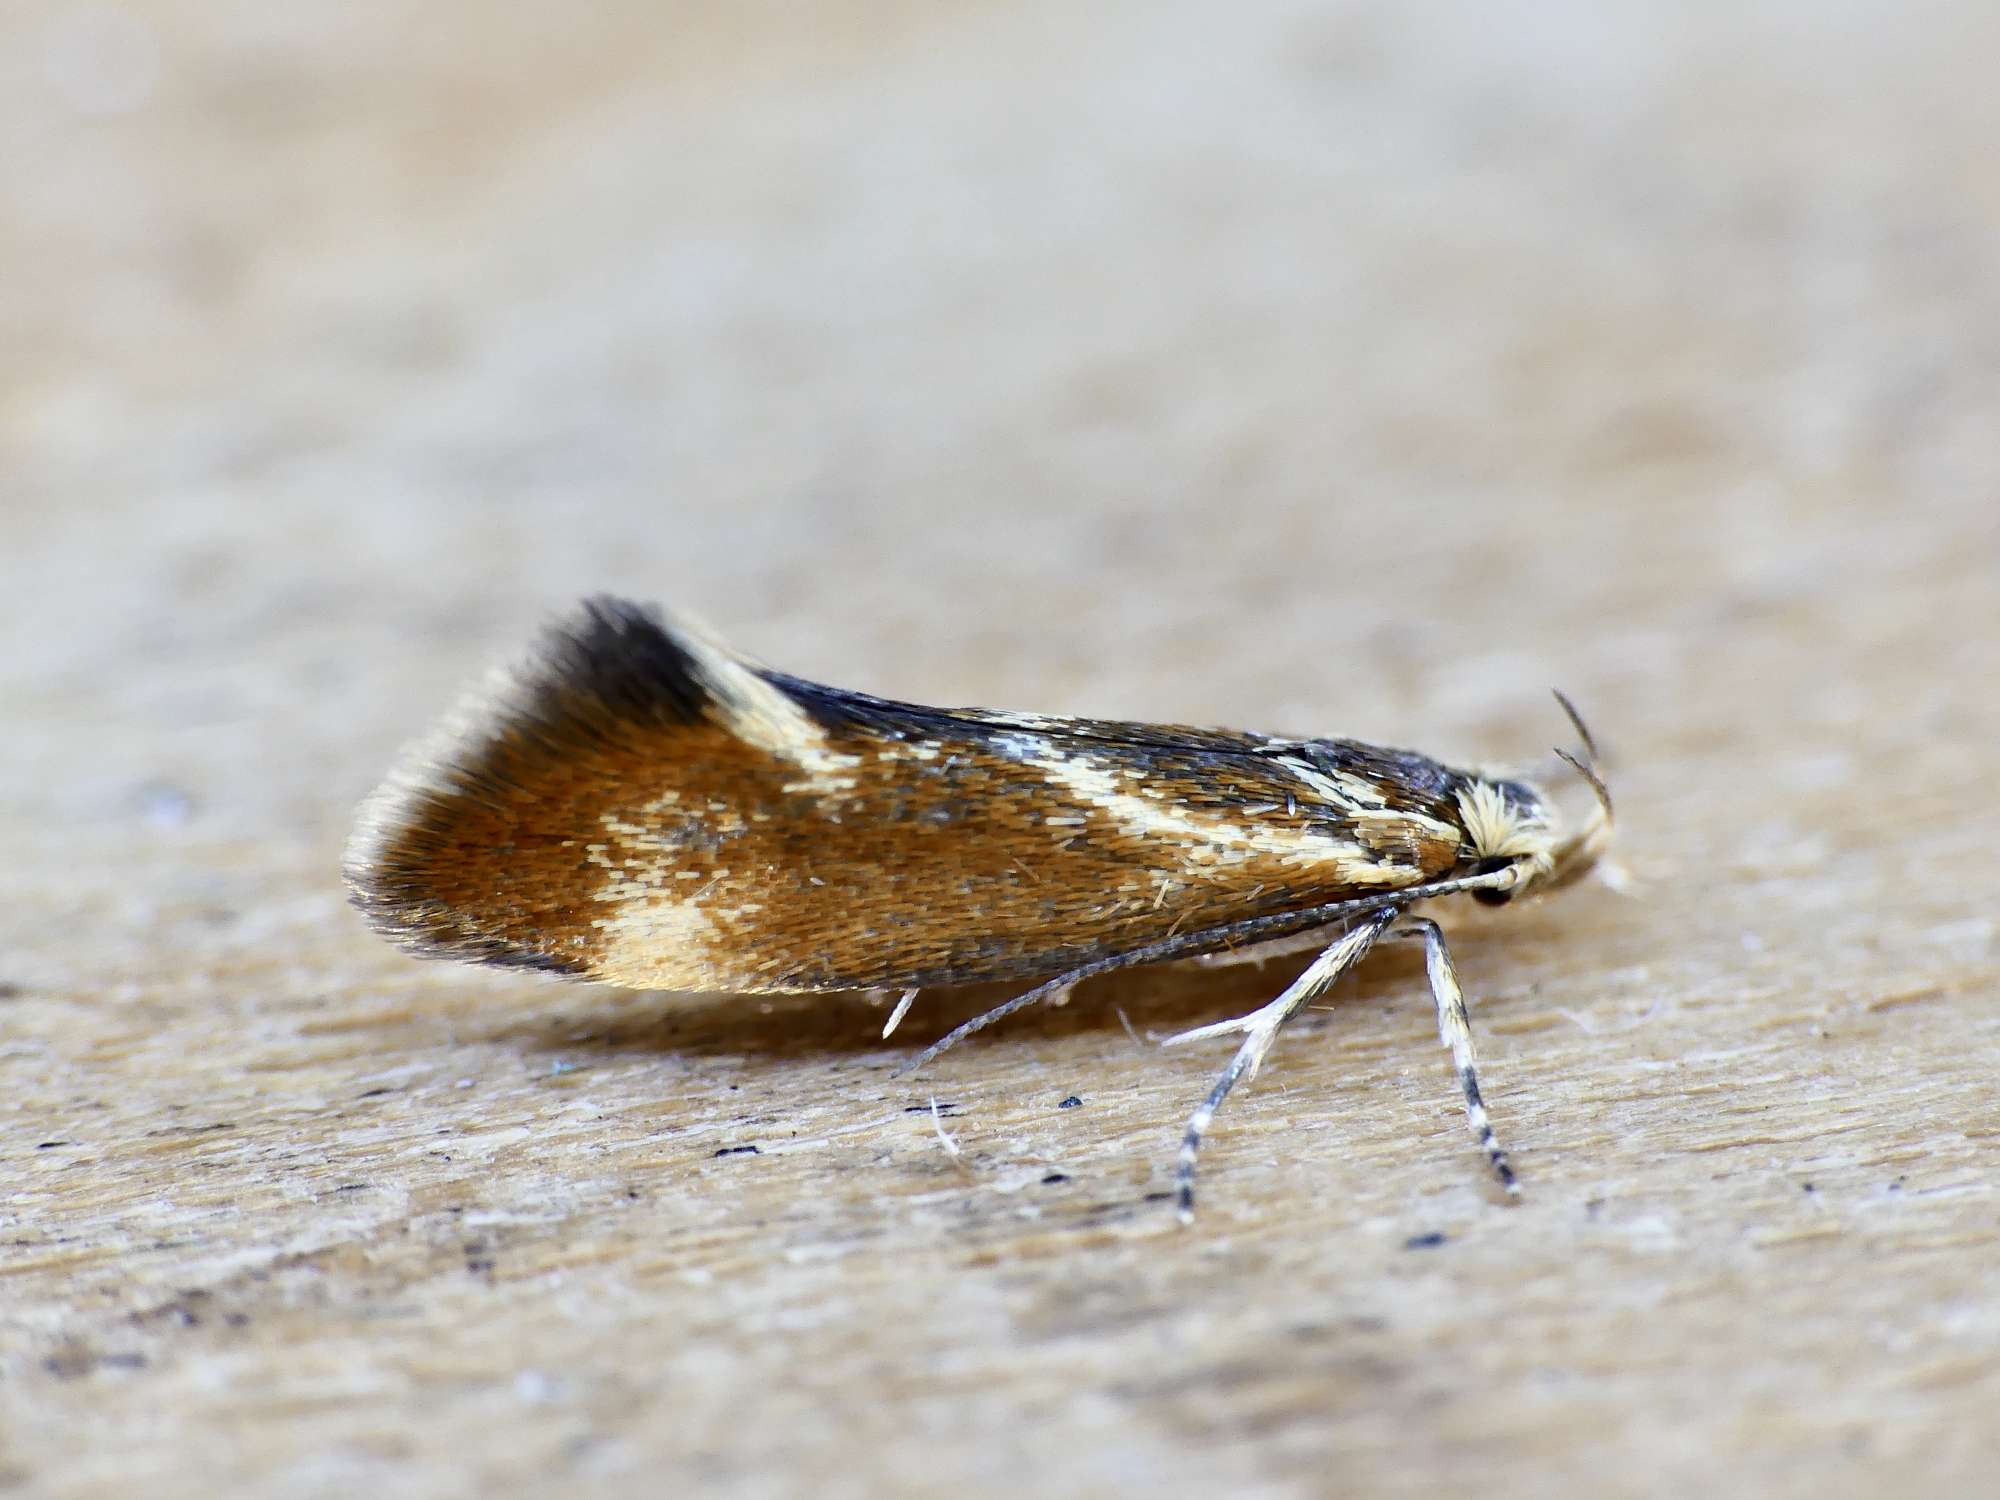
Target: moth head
x,y
1514,830
1510,830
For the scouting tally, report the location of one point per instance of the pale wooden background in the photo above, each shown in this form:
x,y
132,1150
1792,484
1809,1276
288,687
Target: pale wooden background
x,y
1313,368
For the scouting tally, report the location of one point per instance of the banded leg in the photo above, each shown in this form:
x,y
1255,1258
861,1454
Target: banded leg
x,y
1455,1031
1261,1029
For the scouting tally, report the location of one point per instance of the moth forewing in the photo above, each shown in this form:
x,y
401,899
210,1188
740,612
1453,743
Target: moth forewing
x,y
636,806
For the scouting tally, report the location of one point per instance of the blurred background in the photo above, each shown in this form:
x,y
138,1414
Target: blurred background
x,y
1356,368
1322,351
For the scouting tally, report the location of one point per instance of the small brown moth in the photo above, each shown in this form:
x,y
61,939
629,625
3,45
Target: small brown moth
x,y
641,806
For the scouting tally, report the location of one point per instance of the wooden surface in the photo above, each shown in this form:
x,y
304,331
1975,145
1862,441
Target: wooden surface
x,y
1330,369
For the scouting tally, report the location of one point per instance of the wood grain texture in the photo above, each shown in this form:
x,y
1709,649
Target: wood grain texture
x,y
1357,371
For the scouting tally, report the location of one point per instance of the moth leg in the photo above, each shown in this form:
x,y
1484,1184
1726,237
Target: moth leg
x,y
903,1004
1455,1031
1261,953
1214,939
1181,945
1261,1027
1055,991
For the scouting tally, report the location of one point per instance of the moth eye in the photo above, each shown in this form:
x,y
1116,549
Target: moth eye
x,y
1491,865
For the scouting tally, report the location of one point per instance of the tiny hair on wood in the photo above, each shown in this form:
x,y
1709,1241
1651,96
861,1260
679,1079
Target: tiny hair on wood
x,y
638,805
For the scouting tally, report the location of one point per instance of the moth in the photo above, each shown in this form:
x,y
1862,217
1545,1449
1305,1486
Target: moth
x,y
638,805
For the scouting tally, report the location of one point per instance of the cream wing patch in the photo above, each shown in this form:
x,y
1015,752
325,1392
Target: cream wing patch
x,y
763,716
1148,813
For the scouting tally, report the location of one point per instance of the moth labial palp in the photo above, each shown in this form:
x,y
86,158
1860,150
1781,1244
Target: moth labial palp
x,y
636,804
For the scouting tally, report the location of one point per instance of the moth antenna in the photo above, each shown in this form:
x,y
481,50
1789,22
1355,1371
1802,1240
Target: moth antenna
x,y
1589,774
1590,750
